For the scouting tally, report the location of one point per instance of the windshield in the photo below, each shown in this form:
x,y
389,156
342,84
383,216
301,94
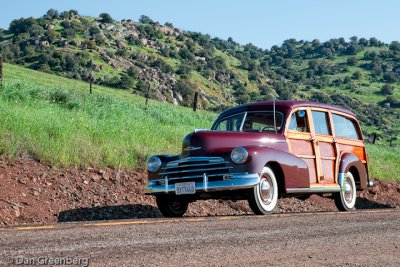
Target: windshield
x,y
253,121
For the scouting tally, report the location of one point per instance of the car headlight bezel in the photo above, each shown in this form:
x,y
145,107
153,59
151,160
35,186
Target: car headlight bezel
x,y
239,155
153,164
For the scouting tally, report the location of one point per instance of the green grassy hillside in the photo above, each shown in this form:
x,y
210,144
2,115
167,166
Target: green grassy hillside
x,y
57,120
171,65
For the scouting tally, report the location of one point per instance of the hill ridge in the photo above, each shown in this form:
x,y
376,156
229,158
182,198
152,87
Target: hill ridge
x,y
169,64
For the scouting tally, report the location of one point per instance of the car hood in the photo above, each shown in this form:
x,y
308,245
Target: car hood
x,y
204,143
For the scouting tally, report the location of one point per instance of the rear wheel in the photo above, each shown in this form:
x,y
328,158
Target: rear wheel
x,y
346,199
171,206
263,198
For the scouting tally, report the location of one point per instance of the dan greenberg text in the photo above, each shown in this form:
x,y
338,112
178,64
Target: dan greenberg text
x,y
53,261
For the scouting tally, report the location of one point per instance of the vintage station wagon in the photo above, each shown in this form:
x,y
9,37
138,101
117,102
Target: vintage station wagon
x,y
262,151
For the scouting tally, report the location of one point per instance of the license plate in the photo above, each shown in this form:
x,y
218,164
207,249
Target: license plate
x,y
187,188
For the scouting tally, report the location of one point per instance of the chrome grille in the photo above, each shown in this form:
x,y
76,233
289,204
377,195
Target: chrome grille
x,y
193,168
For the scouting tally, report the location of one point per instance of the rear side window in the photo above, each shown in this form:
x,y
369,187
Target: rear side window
x,y
298,121
321,123
344,127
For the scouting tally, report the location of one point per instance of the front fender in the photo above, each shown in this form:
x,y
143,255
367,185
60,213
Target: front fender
x,y
294,169
164,160
349,160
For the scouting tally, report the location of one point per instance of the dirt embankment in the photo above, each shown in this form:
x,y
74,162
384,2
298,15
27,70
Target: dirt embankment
x,y
34,192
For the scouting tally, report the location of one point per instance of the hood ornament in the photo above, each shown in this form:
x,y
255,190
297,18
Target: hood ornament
x,y
192,148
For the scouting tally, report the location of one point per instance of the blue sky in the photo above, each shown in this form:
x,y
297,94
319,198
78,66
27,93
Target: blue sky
x,y
261,22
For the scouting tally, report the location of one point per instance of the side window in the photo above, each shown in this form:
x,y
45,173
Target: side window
x,y
298,121
222,126
232,123
344,127
321,123
262,122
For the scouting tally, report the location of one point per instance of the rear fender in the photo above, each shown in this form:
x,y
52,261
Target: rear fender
x,y
348,161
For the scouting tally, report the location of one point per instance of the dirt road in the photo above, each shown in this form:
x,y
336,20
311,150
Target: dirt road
x,y
367,238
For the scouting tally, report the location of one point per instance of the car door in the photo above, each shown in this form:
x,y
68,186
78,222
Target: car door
x,y
324,145
301,142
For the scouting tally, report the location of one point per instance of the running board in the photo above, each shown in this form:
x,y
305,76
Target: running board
x,y
324,189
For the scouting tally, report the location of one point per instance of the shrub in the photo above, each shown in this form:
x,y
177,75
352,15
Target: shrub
x,y
64,98
387,89
106,18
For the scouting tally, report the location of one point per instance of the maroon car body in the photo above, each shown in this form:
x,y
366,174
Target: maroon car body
x,y
287,147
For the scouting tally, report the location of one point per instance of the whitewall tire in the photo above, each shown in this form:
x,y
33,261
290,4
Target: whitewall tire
x,y
263,198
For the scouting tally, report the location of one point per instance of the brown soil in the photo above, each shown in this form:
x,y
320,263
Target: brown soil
x,y
35,192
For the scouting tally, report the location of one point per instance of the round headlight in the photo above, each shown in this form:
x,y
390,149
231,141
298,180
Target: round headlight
x,y
239,155
153,164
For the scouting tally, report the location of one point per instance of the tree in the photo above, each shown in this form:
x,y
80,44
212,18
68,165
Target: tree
x,y
354,39
94,30
184,53
363,42
394,46
106,18
73,12
357,75
184,69
22,25
52,14
390,77
373,41
127,82
142,86
133,72
387,89
352,61
187,89
145,20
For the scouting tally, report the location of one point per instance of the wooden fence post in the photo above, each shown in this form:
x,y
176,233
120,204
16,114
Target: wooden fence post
x,y
374,139
1,70
91,78
196,95
147,95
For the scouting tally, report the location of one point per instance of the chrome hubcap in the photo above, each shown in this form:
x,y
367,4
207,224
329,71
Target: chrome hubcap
x,y
266,189
348,193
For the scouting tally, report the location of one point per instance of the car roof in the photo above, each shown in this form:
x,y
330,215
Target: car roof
x,y
282,105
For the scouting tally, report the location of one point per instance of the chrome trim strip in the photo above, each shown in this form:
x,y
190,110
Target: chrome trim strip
x,y
177,163
314,190
195,165
196,170
243,120
166,184
342,180
199,176
205,182
237,181
192,148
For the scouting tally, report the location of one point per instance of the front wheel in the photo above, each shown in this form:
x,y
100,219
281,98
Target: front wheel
x,y
263,198
345,200
171,206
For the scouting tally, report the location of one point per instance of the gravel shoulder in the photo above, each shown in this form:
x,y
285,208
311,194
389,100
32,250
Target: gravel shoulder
x,y
33,192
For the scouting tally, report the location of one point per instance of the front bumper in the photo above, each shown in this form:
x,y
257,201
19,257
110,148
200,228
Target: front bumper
x,y
232,181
